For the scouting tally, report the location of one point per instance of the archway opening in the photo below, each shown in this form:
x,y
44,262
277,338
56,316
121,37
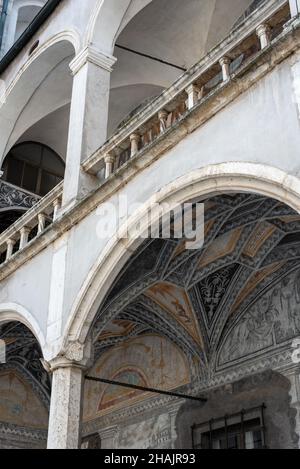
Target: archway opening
x,y
33,167
155,45
194,320
30,171
25,389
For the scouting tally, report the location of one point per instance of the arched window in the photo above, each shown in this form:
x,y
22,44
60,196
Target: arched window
x,y
34,167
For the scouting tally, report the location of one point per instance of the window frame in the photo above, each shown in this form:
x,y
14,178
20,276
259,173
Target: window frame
x,y
29,164
228,421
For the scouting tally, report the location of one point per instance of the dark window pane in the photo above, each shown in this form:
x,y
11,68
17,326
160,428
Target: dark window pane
x,y
30,178
29,152
14,172
234,438
52,163
48,182
33,167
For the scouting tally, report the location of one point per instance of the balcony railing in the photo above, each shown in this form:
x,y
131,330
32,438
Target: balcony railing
x,y
30,225
191,90
217,68
15,198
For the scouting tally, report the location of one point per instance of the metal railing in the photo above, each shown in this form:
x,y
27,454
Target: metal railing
x,y
30,225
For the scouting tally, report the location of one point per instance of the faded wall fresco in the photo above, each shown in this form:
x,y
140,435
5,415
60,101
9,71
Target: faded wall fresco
x,y
18,403
151,433
270,321
148,360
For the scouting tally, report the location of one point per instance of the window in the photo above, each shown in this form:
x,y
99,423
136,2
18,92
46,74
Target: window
x,y
244,430
33,167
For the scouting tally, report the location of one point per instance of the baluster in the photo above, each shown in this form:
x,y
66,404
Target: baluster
x,y
150,135
193,96
57,207
24,235
163,116
225,64
10,243
264,34
134,139
41,222
109,165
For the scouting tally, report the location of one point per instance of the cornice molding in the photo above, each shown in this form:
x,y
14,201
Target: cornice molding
x,y
94,56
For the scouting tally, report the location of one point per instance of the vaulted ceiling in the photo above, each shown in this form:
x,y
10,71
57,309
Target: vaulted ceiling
x,y
193,297
24,355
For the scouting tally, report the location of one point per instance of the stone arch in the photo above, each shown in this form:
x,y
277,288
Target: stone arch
x,y
21,96
209,181
12,312
107,21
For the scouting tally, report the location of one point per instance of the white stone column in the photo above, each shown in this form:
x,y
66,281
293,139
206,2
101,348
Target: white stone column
x,y
88,118
294,7
66,404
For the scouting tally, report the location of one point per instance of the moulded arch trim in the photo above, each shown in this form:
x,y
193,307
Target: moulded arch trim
x,y
32,74
15,312
202,183
71,36
109,19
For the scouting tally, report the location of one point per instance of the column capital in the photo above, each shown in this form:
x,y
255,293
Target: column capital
x,y
225,61
25,230
135,137
95,56
75,355
263,29
109,158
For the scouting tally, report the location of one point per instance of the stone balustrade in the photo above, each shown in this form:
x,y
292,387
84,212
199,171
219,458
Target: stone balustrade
x,y
31,225
250,39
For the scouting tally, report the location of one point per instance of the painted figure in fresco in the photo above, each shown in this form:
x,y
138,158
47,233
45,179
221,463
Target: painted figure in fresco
x,y
274,318
289,301
254,332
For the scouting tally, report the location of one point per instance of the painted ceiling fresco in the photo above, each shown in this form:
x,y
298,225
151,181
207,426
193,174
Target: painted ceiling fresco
x,y
236,297
149,360
19,405
24,384
176,316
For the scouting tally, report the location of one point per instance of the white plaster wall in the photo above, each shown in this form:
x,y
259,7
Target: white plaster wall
x,y
29,288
